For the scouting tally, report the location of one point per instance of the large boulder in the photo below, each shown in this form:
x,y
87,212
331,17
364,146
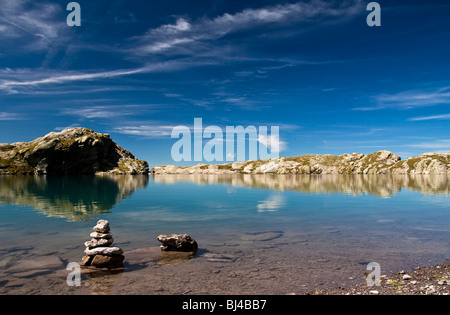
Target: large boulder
x,y
72,151
178,242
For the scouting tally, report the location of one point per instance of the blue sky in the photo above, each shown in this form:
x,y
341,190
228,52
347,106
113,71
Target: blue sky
x,y
136,69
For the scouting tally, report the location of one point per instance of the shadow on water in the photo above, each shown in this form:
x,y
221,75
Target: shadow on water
x,y
75,198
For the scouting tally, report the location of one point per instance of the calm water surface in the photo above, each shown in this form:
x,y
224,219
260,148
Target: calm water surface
x,y
276,233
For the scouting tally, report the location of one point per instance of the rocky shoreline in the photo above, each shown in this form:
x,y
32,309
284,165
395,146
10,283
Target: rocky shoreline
x,y
224,271
381,162
431,280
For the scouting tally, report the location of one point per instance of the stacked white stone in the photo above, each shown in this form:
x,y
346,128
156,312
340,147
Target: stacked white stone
x,y
98,252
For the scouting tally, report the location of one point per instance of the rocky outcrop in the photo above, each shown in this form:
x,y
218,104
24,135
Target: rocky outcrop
x,y
427,163
72,151
381,162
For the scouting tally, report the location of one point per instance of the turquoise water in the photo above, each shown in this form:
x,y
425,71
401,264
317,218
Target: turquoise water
x,y
401,221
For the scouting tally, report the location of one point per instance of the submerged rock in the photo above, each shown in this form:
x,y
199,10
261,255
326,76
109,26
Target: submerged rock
x,y
261,236
219,257
175,257
29,266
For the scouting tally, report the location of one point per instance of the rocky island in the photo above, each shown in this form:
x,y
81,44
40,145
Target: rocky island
x,y
72,151
381,162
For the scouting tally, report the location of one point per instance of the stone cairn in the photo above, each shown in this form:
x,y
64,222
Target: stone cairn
x,y
98,252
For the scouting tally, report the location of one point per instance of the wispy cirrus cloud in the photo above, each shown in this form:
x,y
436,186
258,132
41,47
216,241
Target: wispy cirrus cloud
x,y
411,99
11,85
192,37
26,80
38,24
229,99
10,116
18,81
441,144
185,44
433,117
106,111
153,131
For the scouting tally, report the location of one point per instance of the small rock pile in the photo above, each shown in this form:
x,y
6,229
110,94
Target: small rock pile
x,y
98,252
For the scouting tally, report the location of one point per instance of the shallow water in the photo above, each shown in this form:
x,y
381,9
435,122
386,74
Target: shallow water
x,y
257,234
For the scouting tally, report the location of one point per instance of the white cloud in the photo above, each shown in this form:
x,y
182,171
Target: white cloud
x,y
435,117
20,80
173,95
199,33
272,143
181,26
195,40
160,46
9,116
103,111
148,131
411,99
38,23
10,85
442,144
67,127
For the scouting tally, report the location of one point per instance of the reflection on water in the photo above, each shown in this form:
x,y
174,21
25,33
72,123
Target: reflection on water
x,y
79,198
74,198
273,203
379,185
